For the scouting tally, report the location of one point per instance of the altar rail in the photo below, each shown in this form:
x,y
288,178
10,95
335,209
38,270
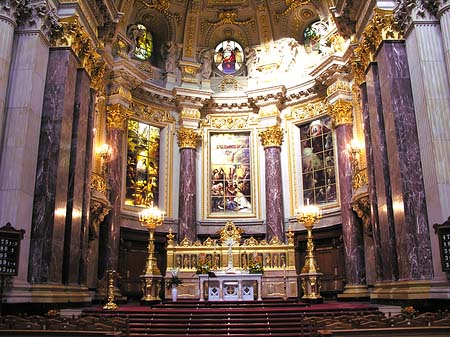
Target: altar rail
x,y
277,259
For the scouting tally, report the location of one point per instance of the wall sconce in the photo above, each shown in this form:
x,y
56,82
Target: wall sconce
x,y
355,149
105,152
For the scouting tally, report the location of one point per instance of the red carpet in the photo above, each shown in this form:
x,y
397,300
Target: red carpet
x,y
236,319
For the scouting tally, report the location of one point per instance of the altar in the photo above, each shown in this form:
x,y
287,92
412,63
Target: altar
x,y
230,287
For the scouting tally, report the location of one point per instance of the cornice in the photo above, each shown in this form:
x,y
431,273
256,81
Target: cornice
x,y
409,12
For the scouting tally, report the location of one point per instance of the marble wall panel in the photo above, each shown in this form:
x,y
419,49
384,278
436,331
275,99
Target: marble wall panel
x,y
381,176
274,193
23,108
52,173
6,40
405,170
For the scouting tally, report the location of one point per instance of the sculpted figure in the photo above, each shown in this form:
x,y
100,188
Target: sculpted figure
x,y
171,54
205,58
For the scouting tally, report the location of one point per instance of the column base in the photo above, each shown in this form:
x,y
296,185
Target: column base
x,y
411,290
151,286
354,292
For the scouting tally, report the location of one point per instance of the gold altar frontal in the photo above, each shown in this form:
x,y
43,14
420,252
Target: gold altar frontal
x,y
230,254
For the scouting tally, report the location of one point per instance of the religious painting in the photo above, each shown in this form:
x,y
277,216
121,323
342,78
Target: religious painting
x,y
143,41
230,174
318,162
228,57
142,178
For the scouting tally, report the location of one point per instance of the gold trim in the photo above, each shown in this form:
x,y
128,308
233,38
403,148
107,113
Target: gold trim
x,y
98,183
187,138
341,112
227,17
272,136
339,86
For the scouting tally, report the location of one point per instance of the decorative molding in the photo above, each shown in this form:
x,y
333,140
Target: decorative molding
x,y
190,113
341,112
269,111
227,17
151,114
272,136
381,27
117,116
8,10
291,5
339,86
187,138
309,111
230,122
162,6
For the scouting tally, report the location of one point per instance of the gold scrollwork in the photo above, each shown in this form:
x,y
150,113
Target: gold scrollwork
x,y
230,231
190,113
98,183
272,136
360,179
230,122
341,112
187,138
291,5
309,111
117,116
163,6
151,114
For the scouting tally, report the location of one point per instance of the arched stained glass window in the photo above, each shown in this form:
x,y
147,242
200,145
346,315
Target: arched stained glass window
x,y
144,42
142,181
318,162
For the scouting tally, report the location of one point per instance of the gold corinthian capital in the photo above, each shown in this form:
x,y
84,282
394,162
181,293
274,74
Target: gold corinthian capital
x,y
272,136
117,116
341,112
187,138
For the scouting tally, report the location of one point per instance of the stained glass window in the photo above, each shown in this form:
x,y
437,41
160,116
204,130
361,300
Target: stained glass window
x,y
230,174
318,162
228,57
144,43
142,183
313,37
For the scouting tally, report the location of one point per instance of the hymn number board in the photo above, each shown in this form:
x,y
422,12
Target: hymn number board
x,y
9,250
443,232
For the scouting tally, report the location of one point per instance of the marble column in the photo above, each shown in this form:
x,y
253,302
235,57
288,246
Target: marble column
x,y
75,199
373,117
405,169
52,173
372,187
86,214
7,26
187,142
116,122
428,53
352,230
271,140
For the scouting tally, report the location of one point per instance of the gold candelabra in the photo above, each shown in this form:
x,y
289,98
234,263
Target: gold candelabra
x,y
110,305
151,218
310,275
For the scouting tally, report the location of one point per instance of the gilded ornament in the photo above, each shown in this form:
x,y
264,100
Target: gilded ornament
x,y
341,112
309,111
272,136
190,113
269,111
187,138
117,116
230,122
170,238
291,5
162,6
381,27
151,114
360,179
361,205
227,17
339,86
98,183
230,231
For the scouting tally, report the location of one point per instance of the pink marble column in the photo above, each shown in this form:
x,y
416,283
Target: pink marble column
x,y
372,186
75,195
352,230
405,169
274,193
187,201
373,119
52,174
271,140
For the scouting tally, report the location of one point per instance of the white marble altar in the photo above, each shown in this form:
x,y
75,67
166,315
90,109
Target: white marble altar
x,y
230,286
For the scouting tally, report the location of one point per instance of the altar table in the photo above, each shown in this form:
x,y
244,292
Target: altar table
x,y
230,280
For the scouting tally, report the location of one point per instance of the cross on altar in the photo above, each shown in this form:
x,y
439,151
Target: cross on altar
x,y
230,242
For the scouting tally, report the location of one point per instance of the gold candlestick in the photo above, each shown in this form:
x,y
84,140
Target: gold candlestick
x,y
111,305
151,218
309,215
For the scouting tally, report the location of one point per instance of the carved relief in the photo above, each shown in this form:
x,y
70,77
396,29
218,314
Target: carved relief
x,y
151,114
117,116
341,112
187,138
230,122
362,208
